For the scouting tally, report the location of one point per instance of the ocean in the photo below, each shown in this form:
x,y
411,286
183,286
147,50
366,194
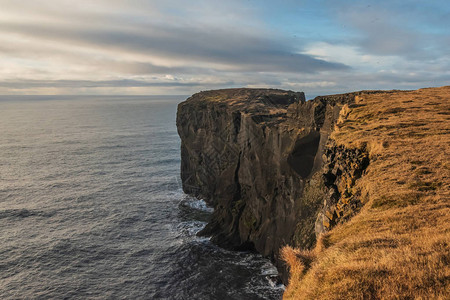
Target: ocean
x,y
91,206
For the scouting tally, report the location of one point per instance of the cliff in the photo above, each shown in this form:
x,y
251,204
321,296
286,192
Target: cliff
x,y
278,170
256,156
235,147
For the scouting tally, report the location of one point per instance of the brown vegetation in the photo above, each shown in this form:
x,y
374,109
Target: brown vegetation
x,y
398,246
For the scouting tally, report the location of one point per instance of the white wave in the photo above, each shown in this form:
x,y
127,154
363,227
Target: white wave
x,y
196,204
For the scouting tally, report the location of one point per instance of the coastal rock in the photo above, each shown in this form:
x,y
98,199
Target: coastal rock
x,y
263,159
341,170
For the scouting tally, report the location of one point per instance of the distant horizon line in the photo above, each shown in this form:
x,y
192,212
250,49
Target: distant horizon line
x,y
97,95
307,95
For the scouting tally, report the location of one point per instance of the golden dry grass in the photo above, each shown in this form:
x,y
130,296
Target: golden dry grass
x,y
398,246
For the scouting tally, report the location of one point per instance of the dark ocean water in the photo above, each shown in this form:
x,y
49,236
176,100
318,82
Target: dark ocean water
x,y
91,207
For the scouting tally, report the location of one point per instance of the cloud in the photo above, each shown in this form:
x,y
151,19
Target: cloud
x,y
22,84
169,46
224,49
402,28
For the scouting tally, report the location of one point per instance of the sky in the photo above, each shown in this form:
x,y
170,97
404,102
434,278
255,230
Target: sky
x,y
180,47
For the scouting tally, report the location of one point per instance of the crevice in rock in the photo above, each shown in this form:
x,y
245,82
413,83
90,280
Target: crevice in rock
x,y
301,160
236,117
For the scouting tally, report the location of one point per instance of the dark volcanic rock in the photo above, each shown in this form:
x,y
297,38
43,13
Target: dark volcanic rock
x,y
342,168
256,155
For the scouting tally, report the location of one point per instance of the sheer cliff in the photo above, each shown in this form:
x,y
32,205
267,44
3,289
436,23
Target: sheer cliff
x,y
349,181
257,156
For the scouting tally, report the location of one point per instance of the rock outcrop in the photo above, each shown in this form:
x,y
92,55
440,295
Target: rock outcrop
x,y
341,170
263,159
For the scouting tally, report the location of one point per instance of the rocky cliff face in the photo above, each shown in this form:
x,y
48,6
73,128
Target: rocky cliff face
x,y
263,159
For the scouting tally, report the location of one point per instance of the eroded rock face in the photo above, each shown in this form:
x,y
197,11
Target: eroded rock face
x,y
257,156
342,167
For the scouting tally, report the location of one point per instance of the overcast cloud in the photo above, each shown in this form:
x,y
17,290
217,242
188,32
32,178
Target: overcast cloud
x,y
181,47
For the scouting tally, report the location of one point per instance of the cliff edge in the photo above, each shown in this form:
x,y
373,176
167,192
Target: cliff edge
x,y
398,245
281,171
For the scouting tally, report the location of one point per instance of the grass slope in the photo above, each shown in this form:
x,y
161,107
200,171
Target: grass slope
x,y
398,246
